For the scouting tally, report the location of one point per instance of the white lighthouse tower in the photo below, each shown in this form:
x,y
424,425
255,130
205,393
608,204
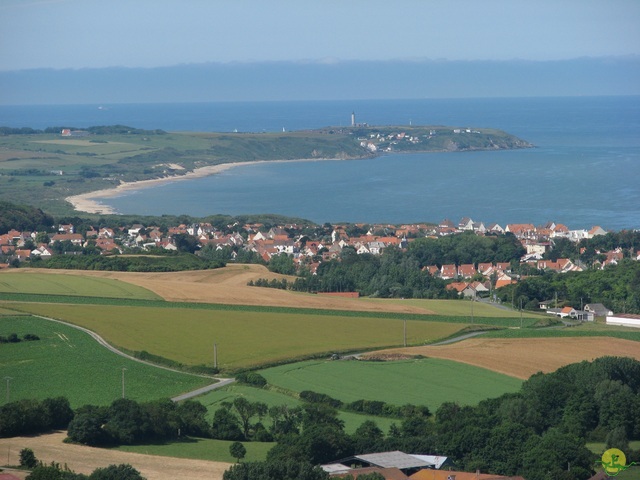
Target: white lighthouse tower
x,y
353,119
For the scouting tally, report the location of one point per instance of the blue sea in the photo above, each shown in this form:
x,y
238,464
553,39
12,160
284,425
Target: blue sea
x,y
584,171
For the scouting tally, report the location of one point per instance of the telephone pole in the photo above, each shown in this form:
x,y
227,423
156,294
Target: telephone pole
x,y
8,379
405,332
123,369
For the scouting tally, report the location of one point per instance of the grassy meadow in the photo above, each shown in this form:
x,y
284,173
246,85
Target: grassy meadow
x,y
201,449
427,381
68,362
71,285
245,339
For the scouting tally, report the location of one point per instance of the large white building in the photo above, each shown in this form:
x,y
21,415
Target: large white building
x,y
624,319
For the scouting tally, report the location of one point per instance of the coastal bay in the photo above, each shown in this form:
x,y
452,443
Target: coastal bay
x,y
72,162
582,172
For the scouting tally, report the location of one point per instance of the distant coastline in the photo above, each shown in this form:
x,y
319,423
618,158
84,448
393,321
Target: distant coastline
x,y
90,202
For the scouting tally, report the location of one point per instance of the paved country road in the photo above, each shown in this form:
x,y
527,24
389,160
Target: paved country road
x,y
220,382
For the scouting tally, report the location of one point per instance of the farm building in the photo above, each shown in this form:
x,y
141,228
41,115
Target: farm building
x,y
394,465
400,461
624,319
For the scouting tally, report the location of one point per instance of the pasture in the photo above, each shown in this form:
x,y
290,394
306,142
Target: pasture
x,y
426,381
244,338
201,449
68,362
73,285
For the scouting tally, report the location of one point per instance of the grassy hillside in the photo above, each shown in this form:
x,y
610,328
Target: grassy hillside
x,y
68,362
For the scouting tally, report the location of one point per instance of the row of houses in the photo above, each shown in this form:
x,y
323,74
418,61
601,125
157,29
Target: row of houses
x,y
306,249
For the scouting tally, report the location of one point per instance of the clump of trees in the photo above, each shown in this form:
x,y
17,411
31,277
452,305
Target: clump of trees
x,y
26,417
14,338
127,422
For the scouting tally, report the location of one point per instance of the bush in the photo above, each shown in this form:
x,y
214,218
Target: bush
x,y
315,397
28,458
251,378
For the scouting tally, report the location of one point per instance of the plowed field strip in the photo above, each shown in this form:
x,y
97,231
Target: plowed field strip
x,y
523,357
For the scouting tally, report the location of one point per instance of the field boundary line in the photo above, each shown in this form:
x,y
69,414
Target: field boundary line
x,y
221,382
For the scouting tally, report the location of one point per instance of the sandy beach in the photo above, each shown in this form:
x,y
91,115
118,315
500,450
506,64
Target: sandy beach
x,y
90,202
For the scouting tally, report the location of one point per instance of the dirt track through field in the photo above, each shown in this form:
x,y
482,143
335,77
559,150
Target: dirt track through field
x,y
50,448
522,357
229,285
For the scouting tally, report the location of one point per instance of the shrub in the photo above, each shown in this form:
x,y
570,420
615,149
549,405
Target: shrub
x,y
251,378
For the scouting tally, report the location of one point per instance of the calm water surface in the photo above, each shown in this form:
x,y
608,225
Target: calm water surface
x,y
585,170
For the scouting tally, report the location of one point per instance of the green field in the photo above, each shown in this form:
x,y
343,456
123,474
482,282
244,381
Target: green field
x,y
427,381
244,338
202,449
68,362
73,285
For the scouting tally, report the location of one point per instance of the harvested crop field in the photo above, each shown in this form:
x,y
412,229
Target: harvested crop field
x,y
522,357
50,448
228,285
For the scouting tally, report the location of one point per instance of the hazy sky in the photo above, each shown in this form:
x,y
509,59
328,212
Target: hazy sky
x,y
149,33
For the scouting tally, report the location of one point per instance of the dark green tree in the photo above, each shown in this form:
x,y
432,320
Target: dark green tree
x,y
192,415
59,412
246,411
126,422
86,428
185,242
28,458
367,438
226,425
237,450
282,263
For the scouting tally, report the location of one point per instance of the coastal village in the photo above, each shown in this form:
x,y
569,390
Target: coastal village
x,y
308,248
